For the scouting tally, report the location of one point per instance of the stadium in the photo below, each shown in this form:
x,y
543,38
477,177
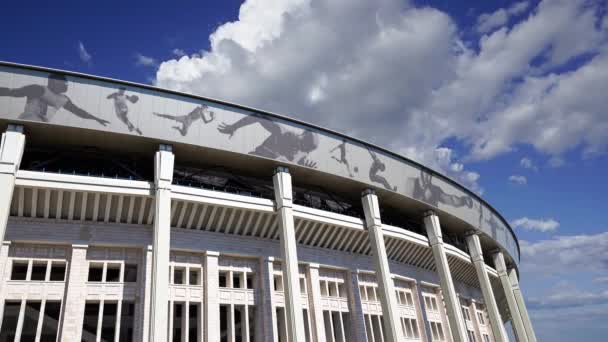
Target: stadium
x,y
133,213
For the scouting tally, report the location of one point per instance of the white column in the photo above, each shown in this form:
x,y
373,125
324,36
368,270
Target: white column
x,y
212,301
486,287
315,305
355,307
388,299
266,326
521,305
454,312
142,306
11,151
516,320
291,278
163,176
74,301
4,274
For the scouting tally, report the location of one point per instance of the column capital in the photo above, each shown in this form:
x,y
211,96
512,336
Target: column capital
x,y
368,191
433,229
11,149
14,128
474,245
279,169
313,265
164,160
283,194
428,213
472,232
6,243
371,209
80,246
212,253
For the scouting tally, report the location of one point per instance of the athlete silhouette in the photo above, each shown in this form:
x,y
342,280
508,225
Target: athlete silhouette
x,y
376,166
43,102
342,160
122,109
282,144
198,113
432,194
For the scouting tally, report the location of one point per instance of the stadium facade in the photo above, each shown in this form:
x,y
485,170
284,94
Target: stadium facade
x,y
132,213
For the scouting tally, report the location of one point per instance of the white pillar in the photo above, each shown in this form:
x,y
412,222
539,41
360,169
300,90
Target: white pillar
x,y
74,301
163,176
356,307
454,312
315,305
521,305
388,299
11,151
291,278
486,287
142,306
211,299
516,320
266,326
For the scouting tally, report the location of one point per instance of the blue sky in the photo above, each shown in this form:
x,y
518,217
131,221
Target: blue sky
x,y
506,97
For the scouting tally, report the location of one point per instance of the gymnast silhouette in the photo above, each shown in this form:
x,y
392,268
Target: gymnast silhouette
x,y
282,144
122,109
342,160
378,166
432,194
43,102
198,113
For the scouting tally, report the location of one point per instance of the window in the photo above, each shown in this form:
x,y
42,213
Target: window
x,y
223,282
178,275
38,271
95,272
130,273
437,331
430,302
250,280
113,273
33,314
19,270
57,271
333,288
195,276
241,318
486,338
410,328
374,328
480,318
471,336
109,313
404,297
278,282
466,313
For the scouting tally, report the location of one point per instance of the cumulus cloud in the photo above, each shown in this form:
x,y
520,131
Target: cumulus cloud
x,y
541,225
178,52
405,78
489,21
517,179
145,60
563,254
527,163
84,55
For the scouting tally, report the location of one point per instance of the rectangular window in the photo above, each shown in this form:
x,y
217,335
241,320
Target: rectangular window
x,y
223,279
58,271
9,321
127,315
108,322
194,276
50,322
130,273
178,276
480,318
250,280
466,314
19,270
107,314
38,271
486,338
95,272
113,273
471,336
30,321
89,323
236,280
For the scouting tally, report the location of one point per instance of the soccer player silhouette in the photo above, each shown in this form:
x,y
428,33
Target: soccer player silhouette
x,y
198,113
432,194
122,109
43,102
342,160
376,166
282,144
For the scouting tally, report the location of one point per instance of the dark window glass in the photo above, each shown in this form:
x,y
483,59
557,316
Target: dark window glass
x,y
89,322
50,322
194,277
113,273
95,272
251,309
130,273
108,323
222,279
177,322
236,281
250,280
30,321
9,320
38,271
178,276
193,323
126,322
238,320
19,271
58,271
223,323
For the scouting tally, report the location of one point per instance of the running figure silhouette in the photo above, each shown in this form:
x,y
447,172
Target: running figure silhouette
x,y
282,144
432,194
342,160
376,166
198,113
43,102
122,109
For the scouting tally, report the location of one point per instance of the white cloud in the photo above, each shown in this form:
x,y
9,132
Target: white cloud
x,y
517,179
567,299
489,21
541,225
145,60
404,78
556,162
178,52
84,55
563,255
527,163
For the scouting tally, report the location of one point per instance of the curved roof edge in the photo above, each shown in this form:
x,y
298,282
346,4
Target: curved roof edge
x,y
431,171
